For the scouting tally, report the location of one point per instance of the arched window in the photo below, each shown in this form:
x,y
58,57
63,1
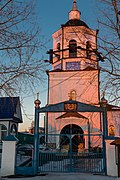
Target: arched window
x,y
77,141
58,49
13,129
58,46
88,49
72,48
3,132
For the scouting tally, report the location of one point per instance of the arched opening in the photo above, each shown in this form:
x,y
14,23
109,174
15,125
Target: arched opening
x,y
88,49
72,48
13,129
3,132
74,132
58,49
58,46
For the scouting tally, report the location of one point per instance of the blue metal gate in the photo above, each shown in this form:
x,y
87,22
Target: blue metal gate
x,y
68,155
63,153
67,152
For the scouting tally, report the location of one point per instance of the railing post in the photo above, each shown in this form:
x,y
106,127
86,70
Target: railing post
x,y
89,143
36,138
70,147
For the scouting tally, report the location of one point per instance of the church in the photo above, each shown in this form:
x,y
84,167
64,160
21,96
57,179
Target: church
x,y
75,76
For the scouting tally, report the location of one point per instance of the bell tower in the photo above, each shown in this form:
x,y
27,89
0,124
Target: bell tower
x,y
74,44
74,73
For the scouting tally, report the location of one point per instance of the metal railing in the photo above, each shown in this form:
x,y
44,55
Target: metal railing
x,y
65,155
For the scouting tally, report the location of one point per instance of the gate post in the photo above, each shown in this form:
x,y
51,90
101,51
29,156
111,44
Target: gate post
x,y
89,143
105,130
9,155
105,123
36,137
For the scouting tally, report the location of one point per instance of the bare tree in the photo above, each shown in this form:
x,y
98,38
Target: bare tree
x,y
20,66
109,45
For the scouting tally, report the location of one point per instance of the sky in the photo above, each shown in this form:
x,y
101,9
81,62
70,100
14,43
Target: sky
x,y
50,16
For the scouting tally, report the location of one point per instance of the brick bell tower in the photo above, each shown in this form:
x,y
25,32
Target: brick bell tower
x,y
74,76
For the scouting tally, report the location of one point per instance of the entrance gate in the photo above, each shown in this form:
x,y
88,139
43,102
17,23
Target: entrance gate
x,y
62,154
61,157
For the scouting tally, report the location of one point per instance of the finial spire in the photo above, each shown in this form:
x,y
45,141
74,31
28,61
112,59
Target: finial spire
x,y
74,5
74,13
38,95
37,101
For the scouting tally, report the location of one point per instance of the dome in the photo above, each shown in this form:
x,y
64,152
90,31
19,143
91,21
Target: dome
x,y
75,22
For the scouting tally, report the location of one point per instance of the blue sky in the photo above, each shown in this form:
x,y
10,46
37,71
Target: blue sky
x,y
50,16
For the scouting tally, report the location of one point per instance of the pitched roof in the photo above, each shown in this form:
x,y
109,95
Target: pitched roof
x,y
8,108
116,142
71,114
111,107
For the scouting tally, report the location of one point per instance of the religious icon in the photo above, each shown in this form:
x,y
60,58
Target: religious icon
x,y
72,95
70,107
111,130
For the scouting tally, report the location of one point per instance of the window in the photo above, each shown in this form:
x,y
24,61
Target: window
x,y
3,132
72,48
13,129
58,46
72,65
88,49
58,49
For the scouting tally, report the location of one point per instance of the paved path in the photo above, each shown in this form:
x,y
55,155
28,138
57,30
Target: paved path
x,y
64,176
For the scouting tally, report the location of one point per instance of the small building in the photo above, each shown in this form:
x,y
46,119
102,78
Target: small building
x,y
10,116
31,129
41,130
